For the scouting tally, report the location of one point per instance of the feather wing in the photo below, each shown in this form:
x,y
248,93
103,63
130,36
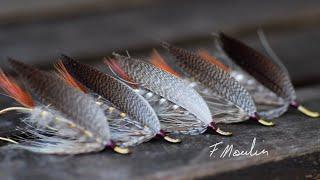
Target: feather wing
x,y
213,77
76,108
223,111
140,125
165,85
266,71
125,131
174,119
49,132
269,105
118,93
270,52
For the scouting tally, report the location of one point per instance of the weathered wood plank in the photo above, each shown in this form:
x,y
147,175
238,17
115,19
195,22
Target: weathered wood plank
x,y
301,167
293,136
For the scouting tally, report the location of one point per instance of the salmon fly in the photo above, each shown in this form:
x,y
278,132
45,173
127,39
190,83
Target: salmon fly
x,y
136,123
263,97
62,120
228,100
270,80
180,109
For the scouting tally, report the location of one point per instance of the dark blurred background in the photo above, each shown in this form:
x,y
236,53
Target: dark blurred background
x,y
37,32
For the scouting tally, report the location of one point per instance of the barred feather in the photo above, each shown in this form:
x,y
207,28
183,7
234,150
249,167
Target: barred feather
x,y
175,91
214,79
71,113
269,105
223,111
206,56
142,122
173,118
125,131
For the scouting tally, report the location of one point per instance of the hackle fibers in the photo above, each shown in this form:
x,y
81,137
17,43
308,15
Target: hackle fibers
x,y
229,101
179,107
273,86
60,119
139,124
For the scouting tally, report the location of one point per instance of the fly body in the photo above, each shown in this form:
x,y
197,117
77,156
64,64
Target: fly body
x,y
179,107
271,77
135,120
62,120
228,100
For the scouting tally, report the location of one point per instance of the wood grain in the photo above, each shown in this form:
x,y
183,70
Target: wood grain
x,y
293,136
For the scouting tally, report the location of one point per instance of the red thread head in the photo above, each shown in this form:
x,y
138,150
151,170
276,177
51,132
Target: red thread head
x,y
295,104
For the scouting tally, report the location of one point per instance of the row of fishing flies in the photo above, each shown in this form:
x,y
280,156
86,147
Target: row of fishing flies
x,y
80,109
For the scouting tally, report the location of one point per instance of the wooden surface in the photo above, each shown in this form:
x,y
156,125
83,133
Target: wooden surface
x,y
88,30
294,136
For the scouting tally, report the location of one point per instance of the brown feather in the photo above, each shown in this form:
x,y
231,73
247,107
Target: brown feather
x,y
260,67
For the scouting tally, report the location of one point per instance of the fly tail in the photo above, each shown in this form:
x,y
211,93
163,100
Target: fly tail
x,y
206,56
12,89
157,60
65,75
121,74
